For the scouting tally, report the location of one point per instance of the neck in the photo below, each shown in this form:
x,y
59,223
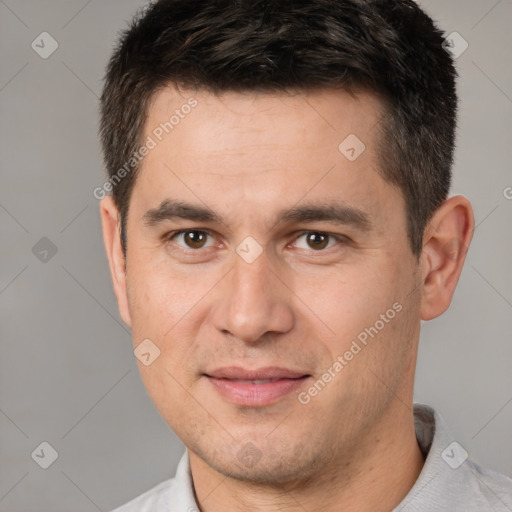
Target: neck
x,y
376,476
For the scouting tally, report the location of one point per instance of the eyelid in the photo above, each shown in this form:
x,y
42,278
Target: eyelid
x,y
172,234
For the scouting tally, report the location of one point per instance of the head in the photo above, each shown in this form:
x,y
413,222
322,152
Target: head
x,y
305,149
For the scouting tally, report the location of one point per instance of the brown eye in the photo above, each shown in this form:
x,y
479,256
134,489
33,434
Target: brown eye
x,y
191,239
317,240
195,239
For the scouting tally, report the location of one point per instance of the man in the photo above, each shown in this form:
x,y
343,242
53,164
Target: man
x,y
279,225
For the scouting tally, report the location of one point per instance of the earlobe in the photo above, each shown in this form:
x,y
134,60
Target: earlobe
x,y
445,244
110,223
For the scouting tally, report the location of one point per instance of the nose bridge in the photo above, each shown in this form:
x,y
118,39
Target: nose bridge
x,y
255,301
251,281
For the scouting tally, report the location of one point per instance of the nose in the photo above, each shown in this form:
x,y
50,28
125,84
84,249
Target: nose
x,y
253,302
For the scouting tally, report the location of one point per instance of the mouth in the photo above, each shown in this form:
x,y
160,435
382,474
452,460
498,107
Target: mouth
x,y
255,388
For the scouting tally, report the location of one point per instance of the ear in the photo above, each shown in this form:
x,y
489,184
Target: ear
x,y
445,244
110,222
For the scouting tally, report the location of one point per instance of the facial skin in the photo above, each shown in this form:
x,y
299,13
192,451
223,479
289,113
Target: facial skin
x,y
297,306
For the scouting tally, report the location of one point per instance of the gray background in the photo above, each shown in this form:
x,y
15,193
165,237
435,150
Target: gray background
x,y
67,371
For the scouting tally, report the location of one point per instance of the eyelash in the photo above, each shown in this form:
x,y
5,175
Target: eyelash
x,y
173,234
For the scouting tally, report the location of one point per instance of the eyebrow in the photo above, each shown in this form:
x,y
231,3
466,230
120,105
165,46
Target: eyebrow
x,y
170,209
336,213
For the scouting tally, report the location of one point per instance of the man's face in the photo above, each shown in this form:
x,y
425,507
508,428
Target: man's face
x,y
268,288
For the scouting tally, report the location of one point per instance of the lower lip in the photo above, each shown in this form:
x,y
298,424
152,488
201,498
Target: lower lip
x,y
256,395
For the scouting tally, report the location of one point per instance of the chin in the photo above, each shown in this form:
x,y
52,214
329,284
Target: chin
x,y
265,463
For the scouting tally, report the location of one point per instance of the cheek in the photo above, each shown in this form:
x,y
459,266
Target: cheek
x,y
160,297
374,320
349,300
169,307
163,304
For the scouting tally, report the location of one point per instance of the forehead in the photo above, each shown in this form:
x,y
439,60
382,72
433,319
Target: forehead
x,y
248,134
226,124
267,150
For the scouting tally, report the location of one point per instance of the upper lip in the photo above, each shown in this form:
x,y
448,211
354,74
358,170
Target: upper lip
x,y
271,372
